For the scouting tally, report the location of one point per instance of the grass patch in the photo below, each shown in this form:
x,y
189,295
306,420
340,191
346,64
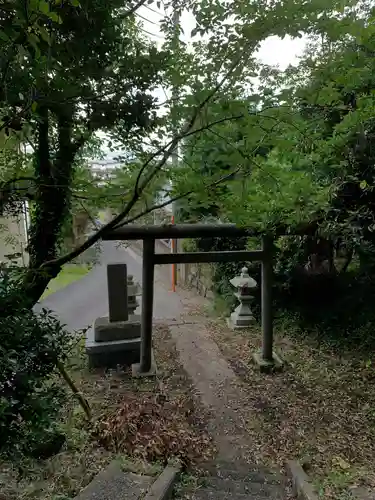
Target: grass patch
x,y
68,274
109,392
319,410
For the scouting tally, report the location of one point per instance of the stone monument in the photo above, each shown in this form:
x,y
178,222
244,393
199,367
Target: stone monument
x,y
242,317
115,339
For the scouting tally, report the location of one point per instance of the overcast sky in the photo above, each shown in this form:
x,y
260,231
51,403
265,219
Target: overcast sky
x,y
274,50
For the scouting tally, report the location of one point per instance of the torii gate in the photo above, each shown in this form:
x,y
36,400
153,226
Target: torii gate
x,y
267,358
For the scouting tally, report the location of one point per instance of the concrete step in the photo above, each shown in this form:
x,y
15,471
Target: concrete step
x,y
238,481
113,484
243,487
236,491
205,494
241,466
250,476
214,495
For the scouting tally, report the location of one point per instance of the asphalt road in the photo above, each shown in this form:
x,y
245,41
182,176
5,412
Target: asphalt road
x,y
80,303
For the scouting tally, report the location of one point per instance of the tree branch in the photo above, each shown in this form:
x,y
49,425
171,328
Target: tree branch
x,y
176,198
81,399
170,146
5,184
249,157
90,217
8,122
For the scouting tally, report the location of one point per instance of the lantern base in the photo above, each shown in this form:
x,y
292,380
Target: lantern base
x,y
236,322
268,366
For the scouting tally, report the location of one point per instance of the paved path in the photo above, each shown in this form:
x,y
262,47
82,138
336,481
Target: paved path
x,y
78,304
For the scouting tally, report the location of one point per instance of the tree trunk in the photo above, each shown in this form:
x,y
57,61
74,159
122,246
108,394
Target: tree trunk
x,y
53,181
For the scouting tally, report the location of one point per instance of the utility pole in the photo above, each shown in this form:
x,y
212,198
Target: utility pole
x,y
174,156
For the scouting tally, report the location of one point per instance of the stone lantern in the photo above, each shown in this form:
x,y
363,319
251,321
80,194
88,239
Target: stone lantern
x,y
133,292
242,316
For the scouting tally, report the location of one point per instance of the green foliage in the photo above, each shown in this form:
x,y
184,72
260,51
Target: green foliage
x,y
119,189
299,143
300,150
338,311
30,399
276,193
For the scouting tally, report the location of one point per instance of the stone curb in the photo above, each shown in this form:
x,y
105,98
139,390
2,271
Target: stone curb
x,y
301,483
112,483
162,487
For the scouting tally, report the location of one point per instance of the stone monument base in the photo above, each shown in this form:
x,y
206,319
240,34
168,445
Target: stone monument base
x,y
112,353
107,331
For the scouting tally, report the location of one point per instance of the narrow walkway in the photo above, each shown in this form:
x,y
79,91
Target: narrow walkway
x,y
234,474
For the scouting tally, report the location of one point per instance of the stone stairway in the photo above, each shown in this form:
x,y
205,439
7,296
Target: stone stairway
x,y
226,480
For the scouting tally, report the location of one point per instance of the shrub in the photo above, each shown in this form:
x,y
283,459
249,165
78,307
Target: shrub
x,y
30,397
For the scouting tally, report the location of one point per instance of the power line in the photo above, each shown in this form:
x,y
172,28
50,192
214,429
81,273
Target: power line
x,y
152,34
153,10
145,19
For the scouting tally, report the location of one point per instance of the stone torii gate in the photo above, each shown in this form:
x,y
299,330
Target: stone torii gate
x,y
266,359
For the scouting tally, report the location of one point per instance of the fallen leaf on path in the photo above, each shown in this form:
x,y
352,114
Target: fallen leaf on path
x,y
154,429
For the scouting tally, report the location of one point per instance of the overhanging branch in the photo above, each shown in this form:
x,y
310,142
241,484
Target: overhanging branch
x,y
176,198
